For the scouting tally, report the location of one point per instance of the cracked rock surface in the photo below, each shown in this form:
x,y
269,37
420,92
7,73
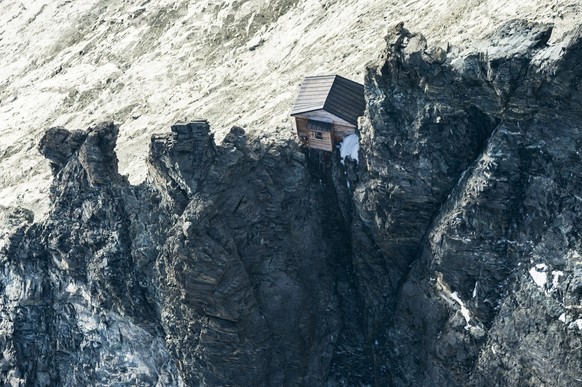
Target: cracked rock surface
x,y
213,272
467,228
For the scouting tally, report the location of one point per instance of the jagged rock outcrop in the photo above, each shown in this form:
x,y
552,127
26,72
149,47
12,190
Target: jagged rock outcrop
x,y
75,308
246,296
216,271
468,196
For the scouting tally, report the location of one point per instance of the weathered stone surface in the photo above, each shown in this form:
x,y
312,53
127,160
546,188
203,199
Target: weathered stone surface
x,y
94,150
59,144
213,272
245,268
75,304
470,180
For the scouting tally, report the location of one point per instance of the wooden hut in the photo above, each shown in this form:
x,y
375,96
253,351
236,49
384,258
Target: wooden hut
x,y
326,110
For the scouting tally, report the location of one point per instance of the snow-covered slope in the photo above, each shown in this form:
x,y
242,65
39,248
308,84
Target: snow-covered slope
x,y
145,64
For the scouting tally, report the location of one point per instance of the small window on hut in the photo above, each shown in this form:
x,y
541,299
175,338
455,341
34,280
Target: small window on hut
x,y
316,135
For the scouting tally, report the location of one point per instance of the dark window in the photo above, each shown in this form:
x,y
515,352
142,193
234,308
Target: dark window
x,y
319,135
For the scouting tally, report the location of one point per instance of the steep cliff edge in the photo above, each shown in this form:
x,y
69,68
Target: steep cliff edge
x,y
218,270
449,255
466,233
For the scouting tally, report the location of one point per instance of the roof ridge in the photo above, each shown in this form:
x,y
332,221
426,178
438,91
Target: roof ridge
x,y
349,80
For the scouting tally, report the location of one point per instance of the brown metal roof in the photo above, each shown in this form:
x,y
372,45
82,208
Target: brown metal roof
x,y
332,93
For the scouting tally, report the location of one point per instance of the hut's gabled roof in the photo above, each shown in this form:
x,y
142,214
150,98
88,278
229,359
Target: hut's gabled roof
x,y
332,93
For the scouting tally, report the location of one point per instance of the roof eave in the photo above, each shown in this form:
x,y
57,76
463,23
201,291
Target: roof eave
x,y
294,113
342,116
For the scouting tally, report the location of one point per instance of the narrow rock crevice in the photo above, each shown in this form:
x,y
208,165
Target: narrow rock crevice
x,y
353,358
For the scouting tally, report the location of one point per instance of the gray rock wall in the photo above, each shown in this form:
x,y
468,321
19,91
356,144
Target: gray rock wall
x,y
213,272
469,182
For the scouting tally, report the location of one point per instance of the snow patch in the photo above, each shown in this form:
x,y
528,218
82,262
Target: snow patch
x,y
464,311
539,275
350,147
576,324
562,317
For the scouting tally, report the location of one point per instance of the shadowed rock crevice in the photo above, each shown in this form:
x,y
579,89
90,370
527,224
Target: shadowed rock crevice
x,y
352,359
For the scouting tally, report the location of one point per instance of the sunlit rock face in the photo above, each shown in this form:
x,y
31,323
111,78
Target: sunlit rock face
x,y
145,65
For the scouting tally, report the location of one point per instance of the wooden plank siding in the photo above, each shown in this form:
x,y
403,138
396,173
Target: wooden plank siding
x,y
301,125
325,143
342,131
336,135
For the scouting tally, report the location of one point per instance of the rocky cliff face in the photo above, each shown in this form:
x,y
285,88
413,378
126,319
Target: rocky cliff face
x,y
145,64
214,272
449,255
467,238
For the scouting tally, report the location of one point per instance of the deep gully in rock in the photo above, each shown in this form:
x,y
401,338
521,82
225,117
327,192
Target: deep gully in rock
x,y
352,359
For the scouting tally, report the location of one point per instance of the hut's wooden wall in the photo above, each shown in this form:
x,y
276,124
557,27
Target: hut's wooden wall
x,y
301,126
342,131
325,143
